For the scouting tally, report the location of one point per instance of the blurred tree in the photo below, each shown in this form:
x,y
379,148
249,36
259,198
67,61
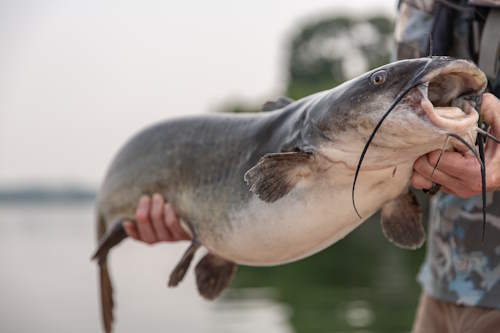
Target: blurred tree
x,y
328,52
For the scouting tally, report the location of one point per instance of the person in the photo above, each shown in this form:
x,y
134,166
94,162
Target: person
x,y
461,274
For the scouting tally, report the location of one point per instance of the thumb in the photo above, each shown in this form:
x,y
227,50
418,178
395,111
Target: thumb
x,y
490,110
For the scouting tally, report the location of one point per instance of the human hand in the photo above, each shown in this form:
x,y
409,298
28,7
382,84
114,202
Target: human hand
x,y
460,174
156,222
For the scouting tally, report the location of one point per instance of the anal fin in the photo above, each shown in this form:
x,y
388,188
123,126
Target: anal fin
x,y
181,268
401,221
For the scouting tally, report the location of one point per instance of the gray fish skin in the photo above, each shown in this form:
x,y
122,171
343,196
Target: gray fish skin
x,y
198,163
274,187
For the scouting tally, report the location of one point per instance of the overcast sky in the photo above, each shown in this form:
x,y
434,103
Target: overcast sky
x,y
77,78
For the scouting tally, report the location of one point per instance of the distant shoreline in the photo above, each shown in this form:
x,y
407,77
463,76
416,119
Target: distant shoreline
x,y
40,194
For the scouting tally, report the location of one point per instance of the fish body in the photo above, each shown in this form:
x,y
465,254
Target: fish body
x,y
273,187
198,164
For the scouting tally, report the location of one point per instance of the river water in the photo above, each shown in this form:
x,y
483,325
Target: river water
x,y
48,284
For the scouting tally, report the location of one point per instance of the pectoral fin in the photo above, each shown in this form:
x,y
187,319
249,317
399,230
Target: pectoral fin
x,y
275,175
401,222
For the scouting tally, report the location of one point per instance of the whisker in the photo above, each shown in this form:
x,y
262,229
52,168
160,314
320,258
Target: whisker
x,y
409,86
482,135
471,137
489,135
465,143
368,142
440,155
480,158
480,144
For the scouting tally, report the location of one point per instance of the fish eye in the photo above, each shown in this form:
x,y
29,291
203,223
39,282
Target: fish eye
x,y
378,77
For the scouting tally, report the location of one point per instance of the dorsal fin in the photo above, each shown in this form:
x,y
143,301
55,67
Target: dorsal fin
x,y
276,104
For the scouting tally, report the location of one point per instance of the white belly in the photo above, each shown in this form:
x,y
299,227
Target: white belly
x,y
310,218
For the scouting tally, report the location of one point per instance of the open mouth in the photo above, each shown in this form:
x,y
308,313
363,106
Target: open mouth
x,y
450,95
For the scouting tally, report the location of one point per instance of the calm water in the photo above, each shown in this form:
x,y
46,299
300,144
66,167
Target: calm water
x,y
47,283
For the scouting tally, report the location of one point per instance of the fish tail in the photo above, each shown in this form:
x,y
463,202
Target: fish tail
x,y
107,240
106,295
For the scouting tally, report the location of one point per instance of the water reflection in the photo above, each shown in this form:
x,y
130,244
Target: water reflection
x,y
362,284
47,283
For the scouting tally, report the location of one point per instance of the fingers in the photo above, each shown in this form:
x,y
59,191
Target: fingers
x,y
173,224
456,164
146,232
420,182
490,110
131,230
463,186
449,191
155,221
460,174
157,217
424,168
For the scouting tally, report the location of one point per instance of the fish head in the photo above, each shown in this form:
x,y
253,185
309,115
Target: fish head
x,y
428,98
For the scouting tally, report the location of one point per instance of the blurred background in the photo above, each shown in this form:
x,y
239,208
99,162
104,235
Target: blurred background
x,y
77,78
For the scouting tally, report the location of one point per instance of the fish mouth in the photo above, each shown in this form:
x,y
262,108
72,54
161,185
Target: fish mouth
x,y
449,95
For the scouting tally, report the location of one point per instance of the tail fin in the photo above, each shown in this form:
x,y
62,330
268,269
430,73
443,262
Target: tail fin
x,y
106,296
107,240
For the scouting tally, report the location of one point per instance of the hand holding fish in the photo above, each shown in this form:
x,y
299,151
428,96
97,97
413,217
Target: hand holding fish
x,y
458,173
156,222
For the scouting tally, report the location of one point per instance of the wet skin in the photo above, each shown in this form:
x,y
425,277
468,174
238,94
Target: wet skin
x,y
242,185
457,173
199,164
